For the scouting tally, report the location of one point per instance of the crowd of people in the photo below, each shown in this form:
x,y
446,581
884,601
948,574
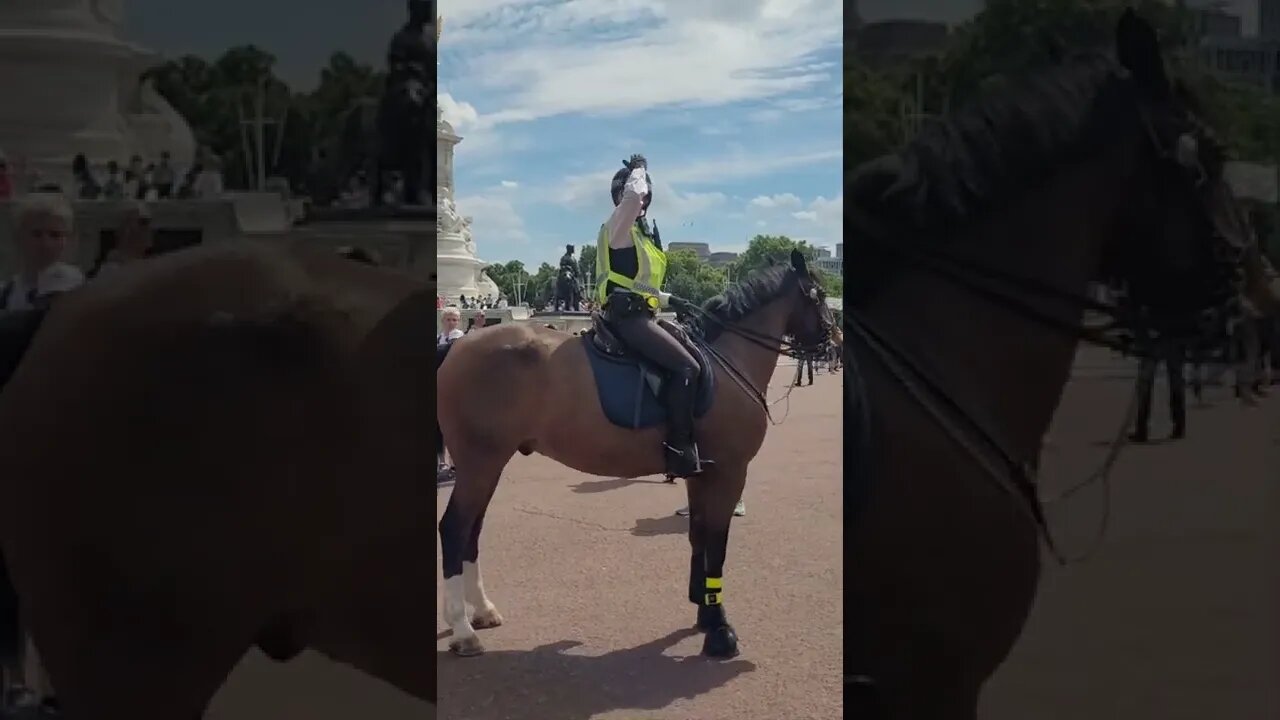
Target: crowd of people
x,y
136,180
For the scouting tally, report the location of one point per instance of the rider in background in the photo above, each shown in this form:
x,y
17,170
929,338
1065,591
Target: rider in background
x,y
631,265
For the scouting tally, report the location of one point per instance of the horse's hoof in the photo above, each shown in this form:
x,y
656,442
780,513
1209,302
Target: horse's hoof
x,y
721,642
484,619
467,647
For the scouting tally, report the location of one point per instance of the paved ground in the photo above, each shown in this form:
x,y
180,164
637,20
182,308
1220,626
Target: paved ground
x,y
1175,615
590,574
310,688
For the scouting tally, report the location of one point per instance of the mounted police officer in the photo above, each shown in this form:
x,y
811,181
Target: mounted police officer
x,y
630,267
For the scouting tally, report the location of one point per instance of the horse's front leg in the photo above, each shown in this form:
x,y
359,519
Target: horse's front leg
x,y
711,503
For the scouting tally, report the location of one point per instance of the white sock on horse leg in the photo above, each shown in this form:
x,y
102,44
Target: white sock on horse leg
x,y
455,609
473,583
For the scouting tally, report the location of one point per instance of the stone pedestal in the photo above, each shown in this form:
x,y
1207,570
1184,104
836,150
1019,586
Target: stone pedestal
x,y
71,85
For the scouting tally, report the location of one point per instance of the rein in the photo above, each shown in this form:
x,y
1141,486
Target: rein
x,y
1019,478
777,345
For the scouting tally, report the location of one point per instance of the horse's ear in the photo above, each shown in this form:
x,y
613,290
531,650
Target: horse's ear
x,y
1138,50
798,262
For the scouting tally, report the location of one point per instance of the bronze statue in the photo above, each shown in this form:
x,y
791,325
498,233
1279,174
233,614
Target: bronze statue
x,y
404,112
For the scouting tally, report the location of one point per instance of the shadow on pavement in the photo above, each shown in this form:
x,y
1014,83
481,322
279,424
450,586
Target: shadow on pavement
x,y
587,487
666,525
546,682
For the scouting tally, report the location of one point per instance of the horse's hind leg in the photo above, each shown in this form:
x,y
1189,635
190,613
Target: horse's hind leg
x,y
477,478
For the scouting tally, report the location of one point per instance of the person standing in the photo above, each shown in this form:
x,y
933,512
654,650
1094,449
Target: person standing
x,y
44,236
1162,347
450,318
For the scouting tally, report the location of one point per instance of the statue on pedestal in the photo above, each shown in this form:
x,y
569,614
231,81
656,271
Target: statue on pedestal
x,y
405,108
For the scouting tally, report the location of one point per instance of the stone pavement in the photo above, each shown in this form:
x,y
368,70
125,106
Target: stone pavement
x,y
1175,616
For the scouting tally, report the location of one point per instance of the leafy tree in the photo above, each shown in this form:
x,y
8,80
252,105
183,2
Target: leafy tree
x,y
1010,37
691,278
587,267
542,286
766,250
872,107
216,97
508,276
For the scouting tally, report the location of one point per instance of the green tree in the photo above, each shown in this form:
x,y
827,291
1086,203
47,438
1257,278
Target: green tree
x,y
872,109
587,267
508,276
216,97
691,278
1011,37
766,250
542,286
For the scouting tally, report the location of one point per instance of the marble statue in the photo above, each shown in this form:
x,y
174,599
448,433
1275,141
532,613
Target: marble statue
x,y
460,270
71,85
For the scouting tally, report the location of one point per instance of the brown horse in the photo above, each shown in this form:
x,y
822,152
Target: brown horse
x,y
537,395
973,251
215,449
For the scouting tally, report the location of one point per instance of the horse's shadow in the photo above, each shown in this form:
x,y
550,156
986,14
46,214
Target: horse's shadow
x,y
546,682
667,525
588,487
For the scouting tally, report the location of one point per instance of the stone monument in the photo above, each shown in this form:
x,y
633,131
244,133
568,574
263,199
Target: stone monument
x,y
460,271
71,85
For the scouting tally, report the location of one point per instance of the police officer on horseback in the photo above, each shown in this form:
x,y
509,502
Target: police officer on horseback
x,y
630,267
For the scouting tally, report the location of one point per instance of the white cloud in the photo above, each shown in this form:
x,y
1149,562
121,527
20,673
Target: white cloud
x,y
460,115
495,218
510,184
820,221
771,201
623,56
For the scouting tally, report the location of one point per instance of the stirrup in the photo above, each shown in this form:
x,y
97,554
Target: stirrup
x,y
671,452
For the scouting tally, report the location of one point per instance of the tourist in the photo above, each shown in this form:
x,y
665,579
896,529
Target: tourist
x,y
187,188
44,223
477,321
801,364
450,318
113,188
87,186
162,177
208,183
6,179
134,240
134,182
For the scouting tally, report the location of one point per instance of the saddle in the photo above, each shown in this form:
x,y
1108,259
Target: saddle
x,y
630,387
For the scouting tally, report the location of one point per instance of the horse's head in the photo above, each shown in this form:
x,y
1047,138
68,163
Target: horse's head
x,y
1181,235
810,320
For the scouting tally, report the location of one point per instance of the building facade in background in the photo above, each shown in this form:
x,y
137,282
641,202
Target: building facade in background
x,y
1228,53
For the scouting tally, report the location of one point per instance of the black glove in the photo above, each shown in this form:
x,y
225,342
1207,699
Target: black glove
x,y
637,161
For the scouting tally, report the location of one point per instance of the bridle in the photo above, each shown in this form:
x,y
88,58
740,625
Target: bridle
x,y
1019,476
799,350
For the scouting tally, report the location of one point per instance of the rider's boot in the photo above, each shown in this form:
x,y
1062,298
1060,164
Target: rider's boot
x,y
680,450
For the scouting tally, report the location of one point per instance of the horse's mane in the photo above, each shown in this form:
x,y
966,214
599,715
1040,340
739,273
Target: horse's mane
x,y
1008,140
757,289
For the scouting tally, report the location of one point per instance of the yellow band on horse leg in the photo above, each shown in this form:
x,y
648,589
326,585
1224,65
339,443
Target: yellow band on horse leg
x,y
715,583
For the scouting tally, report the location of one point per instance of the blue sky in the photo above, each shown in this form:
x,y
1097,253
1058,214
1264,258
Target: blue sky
x,y
736,103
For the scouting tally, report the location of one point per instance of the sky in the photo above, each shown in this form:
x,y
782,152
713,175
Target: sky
x,y
736,104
